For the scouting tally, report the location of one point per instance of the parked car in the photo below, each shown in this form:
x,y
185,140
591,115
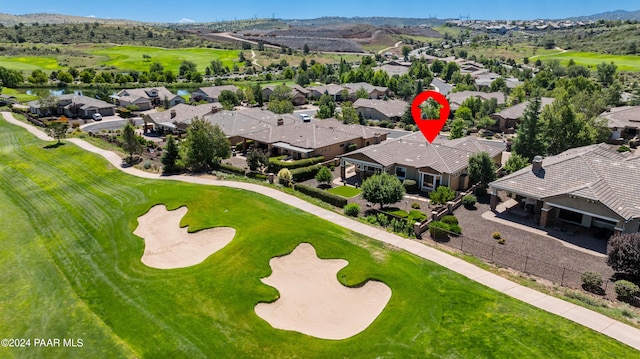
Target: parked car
x,y
97,117
305,117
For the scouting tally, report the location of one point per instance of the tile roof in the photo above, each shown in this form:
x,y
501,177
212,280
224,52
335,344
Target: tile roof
x,y
389,108
242,122
595,172
443,155
183,113
214,91
145,93
457,98
516,111
83,101
625,116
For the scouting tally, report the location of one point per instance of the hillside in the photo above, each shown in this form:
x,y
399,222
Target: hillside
x,y
375,21
29,19
611,15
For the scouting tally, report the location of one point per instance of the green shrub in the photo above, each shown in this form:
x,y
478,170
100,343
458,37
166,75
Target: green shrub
x,y
496,235
416,216
442,195
232,169
469,200
284,177
481,191
147,165
352,210
382,219
410,186
438,229
455,228
623,148
449,219
626,291
415,205
305,173
372,220
322,195
352,147
591,281
257,175
502,241
276,163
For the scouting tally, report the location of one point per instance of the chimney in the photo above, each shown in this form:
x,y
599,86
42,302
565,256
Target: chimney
x,y
537,164
173,113
280,122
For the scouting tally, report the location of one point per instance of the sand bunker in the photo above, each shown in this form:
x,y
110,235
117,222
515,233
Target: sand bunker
x,y
167,246
312,300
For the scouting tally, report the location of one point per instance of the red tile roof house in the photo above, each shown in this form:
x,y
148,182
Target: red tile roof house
x,y
329,138
146,98
443,162
508,119
624,122
591,187
387,110
210,94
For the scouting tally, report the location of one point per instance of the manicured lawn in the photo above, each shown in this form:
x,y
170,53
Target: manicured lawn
x,y
345,191
414,215
30,63
591,59
130,57
22,97
70,268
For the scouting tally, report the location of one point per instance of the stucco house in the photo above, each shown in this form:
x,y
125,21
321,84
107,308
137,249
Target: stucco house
x,y
335,91
457,98
387,110
211,94
72,106
298,92
443,162
146,98
509,118
178,118
624,121
329,138
592,187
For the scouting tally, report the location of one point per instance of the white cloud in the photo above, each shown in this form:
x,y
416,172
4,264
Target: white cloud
x,y
91,16
185,21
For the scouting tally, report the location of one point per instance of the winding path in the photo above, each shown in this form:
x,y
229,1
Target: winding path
x,y
588,318
390,47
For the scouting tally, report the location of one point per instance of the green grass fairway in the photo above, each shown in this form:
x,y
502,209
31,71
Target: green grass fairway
x,y
70,268
624,63
130,57
22,97
30,63
345,191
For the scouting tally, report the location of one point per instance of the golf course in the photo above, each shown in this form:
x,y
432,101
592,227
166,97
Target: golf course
x,y
71,268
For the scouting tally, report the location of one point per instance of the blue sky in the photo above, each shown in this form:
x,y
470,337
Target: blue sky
x,y
206,10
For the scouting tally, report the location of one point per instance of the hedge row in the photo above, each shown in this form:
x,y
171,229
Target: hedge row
x,y
322,195
276,163
305,173
233,169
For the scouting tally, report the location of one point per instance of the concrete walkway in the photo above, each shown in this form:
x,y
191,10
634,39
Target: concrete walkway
x,y
588,318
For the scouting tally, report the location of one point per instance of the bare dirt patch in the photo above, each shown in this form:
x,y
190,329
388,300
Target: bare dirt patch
x,y
168,246
314,302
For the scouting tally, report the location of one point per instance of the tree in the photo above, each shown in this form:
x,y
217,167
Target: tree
x,y
624,253
362,93
529,141
205,145
457,129
130,141
405,52
303,64
65,77
349,115
326,108
481,168
564,128
187,67
38,77
57,130
324,175
382,189
257,94
449,69
228,99
442,195
170,155
606,73
515,163
257,160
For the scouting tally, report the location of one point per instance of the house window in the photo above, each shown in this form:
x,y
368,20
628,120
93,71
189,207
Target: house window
x,y
401,172
430,182
570,216
370,169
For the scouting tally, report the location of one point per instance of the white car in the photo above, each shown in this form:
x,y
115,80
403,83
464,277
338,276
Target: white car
x,y
97,117
305,117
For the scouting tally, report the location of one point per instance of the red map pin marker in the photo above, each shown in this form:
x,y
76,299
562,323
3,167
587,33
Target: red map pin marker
x,y
430,128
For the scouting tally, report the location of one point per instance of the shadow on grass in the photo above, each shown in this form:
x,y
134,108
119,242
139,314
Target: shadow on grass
x,y
54,145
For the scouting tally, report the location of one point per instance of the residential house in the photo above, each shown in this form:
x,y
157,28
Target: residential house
x,y
178,118
375,92
394,67
457,98
382,110
299,94
147,98
211,94
329,138
332,90
592,187
483,81
443,162
6,100
508,118
72,106
624,121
